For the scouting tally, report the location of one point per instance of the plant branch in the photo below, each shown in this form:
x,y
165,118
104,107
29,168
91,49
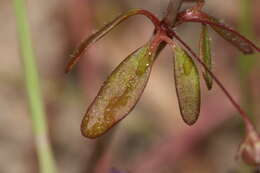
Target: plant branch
x,y
44,152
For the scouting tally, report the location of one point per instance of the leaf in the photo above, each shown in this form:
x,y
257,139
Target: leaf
x,y
205,54
232,36
187,85
119,93
229,34
103,31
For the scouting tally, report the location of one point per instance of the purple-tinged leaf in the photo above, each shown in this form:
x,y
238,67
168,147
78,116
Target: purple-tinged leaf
x,y
187,85
205,54
229,34
103,31
119,93
232,37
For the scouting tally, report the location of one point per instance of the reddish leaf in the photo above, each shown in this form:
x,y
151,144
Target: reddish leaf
x,y
234,37
205,54
103,31
187,85
119,93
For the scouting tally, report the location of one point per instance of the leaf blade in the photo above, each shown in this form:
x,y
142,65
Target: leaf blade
x,y
232,37
229,34
205,54
119,94
187,85
86,43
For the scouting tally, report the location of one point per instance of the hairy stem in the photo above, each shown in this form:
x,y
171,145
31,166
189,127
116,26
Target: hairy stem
x,y
45,155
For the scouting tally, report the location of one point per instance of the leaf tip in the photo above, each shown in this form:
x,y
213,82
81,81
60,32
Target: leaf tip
x,y
208,81
190,121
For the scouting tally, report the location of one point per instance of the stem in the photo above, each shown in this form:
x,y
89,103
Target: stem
x,y
170,19
172,11
45,155
247,121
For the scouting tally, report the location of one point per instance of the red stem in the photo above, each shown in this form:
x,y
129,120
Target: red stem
x,y
150,16
247,121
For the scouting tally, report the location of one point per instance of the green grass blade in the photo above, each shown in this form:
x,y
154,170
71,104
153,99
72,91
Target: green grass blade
x,y
45,156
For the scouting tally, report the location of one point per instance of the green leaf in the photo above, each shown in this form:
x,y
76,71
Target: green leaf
x,y
187,85
119,93
205,54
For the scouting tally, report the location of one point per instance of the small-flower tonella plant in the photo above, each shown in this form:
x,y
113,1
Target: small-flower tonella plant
x,y
123,88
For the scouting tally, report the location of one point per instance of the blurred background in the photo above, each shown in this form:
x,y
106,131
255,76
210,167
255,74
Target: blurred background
x,y
153,138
